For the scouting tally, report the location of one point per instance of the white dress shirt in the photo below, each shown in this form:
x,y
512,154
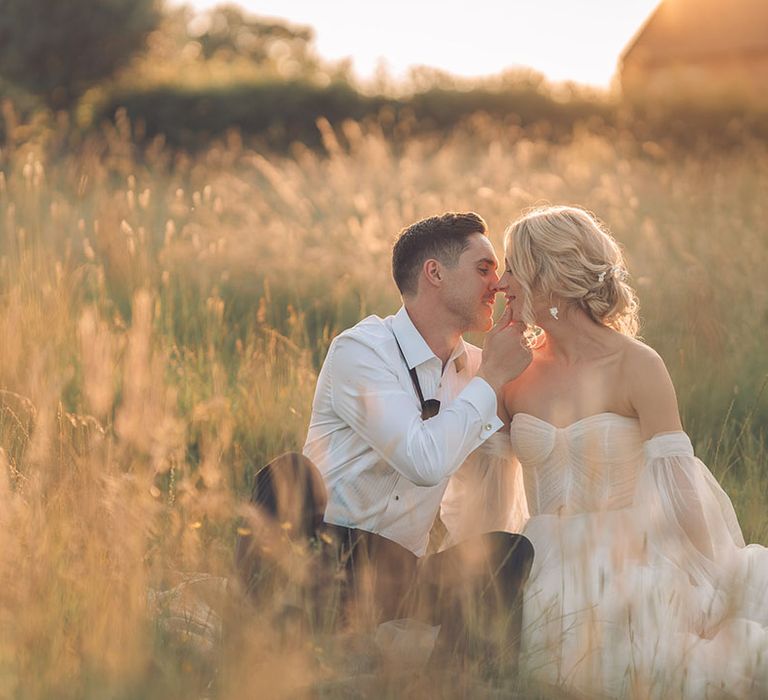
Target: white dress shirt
x,y
385,468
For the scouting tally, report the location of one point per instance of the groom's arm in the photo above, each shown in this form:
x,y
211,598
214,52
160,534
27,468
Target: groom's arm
x,y
367,394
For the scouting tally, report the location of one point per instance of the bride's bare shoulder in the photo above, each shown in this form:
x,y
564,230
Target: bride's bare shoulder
x,y
639,357
650,388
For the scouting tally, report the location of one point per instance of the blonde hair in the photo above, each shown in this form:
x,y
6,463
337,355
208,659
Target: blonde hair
x,y
566,252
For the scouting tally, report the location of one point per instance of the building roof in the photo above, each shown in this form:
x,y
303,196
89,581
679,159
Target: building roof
x,y
688,28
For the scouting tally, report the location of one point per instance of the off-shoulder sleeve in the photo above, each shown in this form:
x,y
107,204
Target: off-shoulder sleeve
x,y
486,494
691,520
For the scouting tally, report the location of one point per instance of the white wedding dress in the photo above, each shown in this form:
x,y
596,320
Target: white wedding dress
x,y
641,584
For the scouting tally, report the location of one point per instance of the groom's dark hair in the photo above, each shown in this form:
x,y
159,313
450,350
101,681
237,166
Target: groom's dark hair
x,y
443,238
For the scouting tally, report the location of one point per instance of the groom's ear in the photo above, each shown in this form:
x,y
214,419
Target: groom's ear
x,y
433,271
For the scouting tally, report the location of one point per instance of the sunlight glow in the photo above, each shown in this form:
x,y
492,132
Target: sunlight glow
x,y
563,39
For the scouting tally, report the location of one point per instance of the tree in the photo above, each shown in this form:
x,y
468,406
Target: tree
x,y
58,48
227,32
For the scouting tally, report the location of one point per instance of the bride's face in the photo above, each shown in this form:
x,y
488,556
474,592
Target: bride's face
x,y
515,295
513,291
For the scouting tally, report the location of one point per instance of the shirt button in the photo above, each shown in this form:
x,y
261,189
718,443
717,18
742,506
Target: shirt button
x,y
487,426
397,498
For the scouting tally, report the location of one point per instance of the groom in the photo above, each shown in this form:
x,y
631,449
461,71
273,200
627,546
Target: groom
x,y
399,405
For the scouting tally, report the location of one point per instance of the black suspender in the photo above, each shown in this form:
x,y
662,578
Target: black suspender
x,y
430,407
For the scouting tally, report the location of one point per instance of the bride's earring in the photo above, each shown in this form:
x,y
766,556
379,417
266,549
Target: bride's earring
x,y
553,312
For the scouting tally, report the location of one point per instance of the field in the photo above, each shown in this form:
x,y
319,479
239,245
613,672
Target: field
x,y
162,319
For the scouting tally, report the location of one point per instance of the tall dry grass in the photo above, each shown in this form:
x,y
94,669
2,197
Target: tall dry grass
x,y
162,318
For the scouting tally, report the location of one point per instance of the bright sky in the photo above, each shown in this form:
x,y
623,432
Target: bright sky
x,y
578,40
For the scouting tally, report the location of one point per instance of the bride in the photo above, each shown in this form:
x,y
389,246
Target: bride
x,y
641,585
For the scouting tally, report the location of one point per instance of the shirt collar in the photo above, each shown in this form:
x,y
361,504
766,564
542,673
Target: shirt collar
x,y
414,346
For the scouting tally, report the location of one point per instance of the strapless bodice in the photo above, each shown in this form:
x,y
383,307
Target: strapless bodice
x,y
590,465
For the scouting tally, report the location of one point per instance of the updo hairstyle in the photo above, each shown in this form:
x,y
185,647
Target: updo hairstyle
x,y
565,252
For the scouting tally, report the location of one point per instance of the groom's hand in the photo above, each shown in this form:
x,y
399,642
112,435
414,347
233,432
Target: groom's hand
x,y
505,354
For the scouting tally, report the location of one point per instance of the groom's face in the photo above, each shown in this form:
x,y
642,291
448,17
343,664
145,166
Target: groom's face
x,y
471,285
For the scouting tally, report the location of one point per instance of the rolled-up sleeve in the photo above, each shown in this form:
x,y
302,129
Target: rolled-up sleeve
x,y
368,394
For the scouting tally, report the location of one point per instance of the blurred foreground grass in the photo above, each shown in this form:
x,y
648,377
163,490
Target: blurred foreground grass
x,y
163,316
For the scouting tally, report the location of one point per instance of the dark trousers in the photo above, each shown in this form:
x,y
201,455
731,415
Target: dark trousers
x,y
476,584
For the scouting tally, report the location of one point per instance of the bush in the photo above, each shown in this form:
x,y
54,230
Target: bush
x,y
286,111
283,111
